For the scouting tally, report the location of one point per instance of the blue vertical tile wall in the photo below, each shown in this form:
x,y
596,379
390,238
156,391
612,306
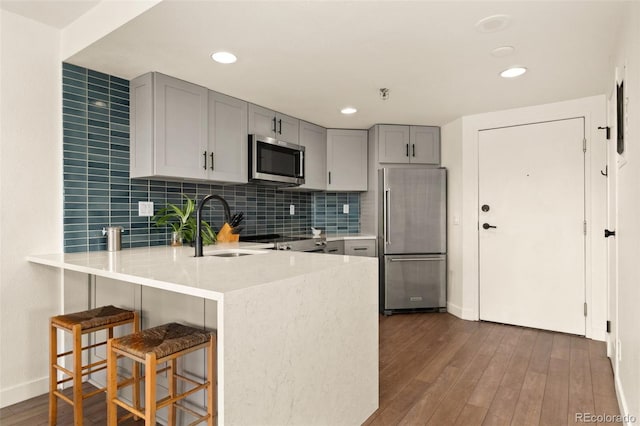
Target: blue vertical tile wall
x,y
98,191
328,212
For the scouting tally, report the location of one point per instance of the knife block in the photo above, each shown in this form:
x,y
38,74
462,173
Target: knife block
x,y
225,235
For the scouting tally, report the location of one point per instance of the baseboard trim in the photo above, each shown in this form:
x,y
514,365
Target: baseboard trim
x,y
622,402
23,391
599,335
457,311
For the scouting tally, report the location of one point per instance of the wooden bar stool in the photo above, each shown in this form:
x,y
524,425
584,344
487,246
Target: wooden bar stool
x,y
153,346
78,324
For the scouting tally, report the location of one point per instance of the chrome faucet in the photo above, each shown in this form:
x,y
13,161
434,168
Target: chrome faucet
x,y
227,218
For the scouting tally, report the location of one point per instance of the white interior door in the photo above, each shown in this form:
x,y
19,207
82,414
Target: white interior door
x,y
531,188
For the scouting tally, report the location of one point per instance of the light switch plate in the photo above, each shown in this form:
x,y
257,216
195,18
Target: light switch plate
x,y
345,208
292,209
145,208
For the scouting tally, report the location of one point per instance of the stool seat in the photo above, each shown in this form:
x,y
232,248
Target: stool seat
x,y
98,317
163,340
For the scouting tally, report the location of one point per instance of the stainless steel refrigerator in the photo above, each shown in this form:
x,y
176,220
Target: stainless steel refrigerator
x,y
413,239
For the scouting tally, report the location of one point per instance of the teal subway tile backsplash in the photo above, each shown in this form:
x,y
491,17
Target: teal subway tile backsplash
x,y
98,191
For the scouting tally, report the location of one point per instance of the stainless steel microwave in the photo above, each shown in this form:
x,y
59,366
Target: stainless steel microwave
x,y
275,162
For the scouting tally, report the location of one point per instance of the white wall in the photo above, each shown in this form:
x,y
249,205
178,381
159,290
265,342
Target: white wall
x,y
451,158
628,225
31,197
465,302
100,21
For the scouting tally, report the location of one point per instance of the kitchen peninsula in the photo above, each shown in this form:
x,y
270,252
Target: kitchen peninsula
x,y
297,332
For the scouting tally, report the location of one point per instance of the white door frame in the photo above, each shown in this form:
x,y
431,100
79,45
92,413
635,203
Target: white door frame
x,y
593,109
614,162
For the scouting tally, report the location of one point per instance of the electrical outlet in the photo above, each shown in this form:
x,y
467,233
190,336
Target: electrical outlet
x,y
145,208
292,209
345,208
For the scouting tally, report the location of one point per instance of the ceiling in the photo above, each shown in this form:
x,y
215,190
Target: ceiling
x,y
310,59
54,13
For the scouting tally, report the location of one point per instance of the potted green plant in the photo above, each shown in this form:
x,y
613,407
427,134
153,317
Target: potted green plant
x,y
182,223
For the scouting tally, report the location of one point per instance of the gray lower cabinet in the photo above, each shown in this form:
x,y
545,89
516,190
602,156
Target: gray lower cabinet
x,y
360,248
334,247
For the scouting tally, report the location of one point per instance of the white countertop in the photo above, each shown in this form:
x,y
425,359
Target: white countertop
x,y
175,268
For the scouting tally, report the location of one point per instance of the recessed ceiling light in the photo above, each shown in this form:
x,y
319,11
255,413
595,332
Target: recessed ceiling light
x,y
502,51
224,57
493,23
348,110
513,72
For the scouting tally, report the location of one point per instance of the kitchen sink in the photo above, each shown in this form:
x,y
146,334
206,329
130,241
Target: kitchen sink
x,y
236,252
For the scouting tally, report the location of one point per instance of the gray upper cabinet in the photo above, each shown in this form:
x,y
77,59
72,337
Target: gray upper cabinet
x,y
228,144
425,145
394,144
314,140
168,127
346,160
263,121
185,131
408,144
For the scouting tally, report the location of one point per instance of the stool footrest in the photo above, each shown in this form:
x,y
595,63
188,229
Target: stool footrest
x,y
199,417
84,373
128,407
95,345
63,397
168,400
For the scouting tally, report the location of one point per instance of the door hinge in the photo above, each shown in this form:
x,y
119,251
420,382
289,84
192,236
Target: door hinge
x,y
608,326
584,145
584,227
585,309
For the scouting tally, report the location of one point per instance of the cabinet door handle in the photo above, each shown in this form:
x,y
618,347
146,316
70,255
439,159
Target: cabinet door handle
x,y
329,178
280,123
274,125
417,259
413,149
359,248
407,146
204,154
212,162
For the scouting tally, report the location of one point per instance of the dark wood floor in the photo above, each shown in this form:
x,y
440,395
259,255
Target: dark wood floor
x,y
436,369
35,411
439,370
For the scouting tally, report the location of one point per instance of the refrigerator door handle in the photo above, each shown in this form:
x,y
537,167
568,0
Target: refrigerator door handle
x,y
417,259
387,219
